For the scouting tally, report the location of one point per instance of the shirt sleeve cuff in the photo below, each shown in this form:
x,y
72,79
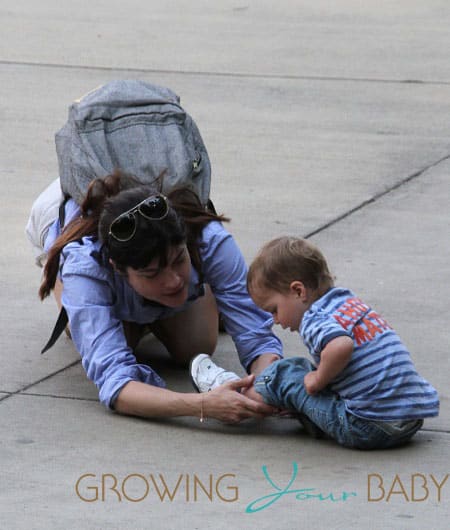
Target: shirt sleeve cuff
x,y
112,386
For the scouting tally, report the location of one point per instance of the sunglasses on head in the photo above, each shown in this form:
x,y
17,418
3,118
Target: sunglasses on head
x,y
154,208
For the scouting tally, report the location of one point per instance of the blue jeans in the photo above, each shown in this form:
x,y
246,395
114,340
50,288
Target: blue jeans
x,y
281,385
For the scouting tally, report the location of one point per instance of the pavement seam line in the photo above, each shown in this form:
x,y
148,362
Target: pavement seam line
x,y
92,400
76,398
243,75
376,197
443,431
34,383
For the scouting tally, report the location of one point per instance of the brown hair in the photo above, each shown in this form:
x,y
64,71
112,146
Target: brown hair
x,y
286,259
107,198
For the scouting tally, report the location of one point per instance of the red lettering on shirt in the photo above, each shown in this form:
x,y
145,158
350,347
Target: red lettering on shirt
x,y
366,323
361,335
345,323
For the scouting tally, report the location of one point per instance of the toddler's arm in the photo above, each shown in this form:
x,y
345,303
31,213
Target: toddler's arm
x,y
333,359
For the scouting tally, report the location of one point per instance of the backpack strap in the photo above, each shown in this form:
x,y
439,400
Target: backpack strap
x,y
62,212
210,206
60,325
63,319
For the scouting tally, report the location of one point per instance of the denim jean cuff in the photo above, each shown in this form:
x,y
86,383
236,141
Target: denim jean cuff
x,y
261,384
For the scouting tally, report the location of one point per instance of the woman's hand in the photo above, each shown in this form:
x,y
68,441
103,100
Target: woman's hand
x,y
228,405
224,403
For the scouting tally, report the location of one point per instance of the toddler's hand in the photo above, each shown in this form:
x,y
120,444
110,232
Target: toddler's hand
x,y
311,382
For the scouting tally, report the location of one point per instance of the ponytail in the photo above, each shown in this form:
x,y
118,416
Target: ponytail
x,y
86,224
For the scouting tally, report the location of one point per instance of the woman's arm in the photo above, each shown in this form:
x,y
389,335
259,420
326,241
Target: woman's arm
x,y
124,385
224,403
225,271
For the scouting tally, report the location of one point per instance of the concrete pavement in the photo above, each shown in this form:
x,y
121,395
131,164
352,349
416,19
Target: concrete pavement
x,y
322,121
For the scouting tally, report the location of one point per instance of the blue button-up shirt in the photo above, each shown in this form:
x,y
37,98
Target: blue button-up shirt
x,y
97,299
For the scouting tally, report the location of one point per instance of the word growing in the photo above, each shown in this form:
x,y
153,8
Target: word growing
x,y
302,494
417,489
136,487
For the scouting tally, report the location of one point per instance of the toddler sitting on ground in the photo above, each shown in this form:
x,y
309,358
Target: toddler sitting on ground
x,y
363,389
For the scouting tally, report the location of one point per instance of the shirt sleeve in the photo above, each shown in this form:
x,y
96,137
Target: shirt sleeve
x,y
224,269
317,329
96,331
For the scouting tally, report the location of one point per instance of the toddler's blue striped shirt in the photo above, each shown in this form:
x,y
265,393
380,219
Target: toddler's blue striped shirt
x,y
380,382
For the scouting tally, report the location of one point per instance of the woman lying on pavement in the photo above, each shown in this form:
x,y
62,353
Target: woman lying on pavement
x,y
132,261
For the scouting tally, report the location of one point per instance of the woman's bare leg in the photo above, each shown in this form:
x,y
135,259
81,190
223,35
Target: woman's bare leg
x,y
192,331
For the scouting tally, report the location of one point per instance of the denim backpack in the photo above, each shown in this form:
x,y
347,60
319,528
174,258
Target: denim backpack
x,y
137,127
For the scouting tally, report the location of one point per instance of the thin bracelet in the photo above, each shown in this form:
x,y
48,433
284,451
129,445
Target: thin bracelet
x,y
202,417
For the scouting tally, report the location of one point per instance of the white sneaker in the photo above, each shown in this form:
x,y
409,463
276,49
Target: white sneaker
x,y
206,375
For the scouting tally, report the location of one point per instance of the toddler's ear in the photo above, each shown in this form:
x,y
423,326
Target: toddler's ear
x,y
298,289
